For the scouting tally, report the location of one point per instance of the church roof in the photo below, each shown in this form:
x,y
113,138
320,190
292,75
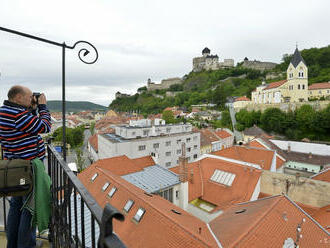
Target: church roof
x,y
297,58
206,50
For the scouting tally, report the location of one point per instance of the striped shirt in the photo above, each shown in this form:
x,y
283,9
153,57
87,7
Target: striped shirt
x,y
19,129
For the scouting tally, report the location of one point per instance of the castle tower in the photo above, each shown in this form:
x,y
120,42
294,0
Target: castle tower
x,y
297,77
206,52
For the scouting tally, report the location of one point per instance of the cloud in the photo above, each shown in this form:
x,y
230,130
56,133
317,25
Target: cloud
x,y
137,40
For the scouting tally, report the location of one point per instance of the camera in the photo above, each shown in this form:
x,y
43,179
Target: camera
x,y
36,96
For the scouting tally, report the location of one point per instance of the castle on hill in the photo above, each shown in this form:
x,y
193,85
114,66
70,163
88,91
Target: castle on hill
x,y
210,62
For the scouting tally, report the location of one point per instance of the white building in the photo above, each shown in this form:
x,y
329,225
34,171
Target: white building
x,y
140,138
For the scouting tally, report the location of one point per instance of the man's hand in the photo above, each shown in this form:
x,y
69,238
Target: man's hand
x,y
42,99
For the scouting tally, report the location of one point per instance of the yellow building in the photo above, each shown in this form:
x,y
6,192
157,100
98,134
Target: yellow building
x,y
241,102
293,89
316,91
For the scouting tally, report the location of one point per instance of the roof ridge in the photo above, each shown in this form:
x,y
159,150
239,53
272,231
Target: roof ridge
x,y
303,211
162,213
320,173
261,217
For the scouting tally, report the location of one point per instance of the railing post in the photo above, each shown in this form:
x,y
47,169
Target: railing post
x,y
107,239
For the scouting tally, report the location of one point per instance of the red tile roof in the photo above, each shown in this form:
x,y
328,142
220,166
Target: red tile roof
x,y
267,222
275,84
93,141
242,98
159,226
279,159
323,217
319,86
258,156
207,136
223,134
123,165
323,175
200,185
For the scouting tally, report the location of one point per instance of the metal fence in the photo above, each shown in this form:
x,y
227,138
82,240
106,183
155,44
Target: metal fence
x,y
76,220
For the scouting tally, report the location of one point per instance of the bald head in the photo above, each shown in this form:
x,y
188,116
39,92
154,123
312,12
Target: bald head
x,y
20,95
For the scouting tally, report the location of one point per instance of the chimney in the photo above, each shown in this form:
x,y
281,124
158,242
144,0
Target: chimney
x,y
310,155
183,174
183,167
289,147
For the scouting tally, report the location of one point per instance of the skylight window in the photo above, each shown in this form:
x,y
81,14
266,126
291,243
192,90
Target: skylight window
x,y
223,177
139,214
112,191
105,186
128,205
94,177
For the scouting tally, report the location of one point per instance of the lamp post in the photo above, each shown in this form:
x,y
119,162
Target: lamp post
x,y
81,54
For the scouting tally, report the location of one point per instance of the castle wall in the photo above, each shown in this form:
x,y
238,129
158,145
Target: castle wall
x,y
258,65
165,84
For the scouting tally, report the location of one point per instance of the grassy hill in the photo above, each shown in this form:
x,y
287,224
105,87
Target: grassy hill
x,y
216,86
56,106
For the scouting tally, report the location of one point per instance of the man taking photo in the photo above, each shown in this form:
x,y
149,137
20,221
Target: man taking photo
x,y
20,126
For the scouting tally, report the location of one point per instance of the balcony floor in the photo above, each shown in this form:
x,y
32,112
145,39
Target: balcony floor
x,y
3,240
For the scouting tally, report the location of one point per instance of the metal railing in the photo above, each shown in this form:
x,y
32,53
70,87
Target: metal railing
x,y
76,220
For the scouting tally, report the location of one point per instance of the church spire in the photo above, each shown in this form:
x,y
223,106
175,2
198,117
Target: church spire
x,y
297,58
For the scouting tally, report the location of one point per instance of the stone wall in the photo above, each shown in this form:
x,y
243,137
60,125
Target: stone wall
x,y
165,84
258,65
304,190
317,105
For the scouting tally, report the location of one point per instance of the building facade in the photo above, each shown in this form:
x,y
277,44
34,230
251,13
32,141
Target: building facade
x,y
293,89
163,142
319,90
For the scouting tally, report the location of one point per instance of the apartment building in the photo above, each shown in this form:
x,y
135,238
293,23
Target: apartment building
x,y
143,138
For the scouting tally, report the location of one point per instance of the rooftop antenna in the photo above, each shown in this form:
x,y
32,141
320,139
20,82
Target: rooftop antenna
x,y
296,44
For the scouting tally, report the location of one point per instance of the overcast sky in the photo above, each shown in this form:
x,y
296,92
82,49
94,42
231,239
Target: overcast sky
x,y
137,40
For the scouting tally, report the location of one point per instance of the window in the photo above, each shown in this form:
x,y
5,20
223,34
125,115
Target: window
x,y
177,194
189,149
94,177
112,192
303,86
178,151
168,164
328,91
141,148
188,158
156,145
105,186
195,147
320,92
128,205
167,194
153,154
168,143
298,86
188,140
139,214
168,129
168,154
223,177
195,156
145,132
133,133
178,141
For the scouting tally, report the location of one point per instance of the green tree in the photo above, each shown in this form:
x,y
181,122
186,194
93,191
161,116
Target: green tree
x,y
79,160
272,120
168,116
92,127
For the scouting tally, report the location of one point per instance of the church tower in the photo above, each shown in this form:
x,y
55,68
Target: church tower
x,y
297,78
